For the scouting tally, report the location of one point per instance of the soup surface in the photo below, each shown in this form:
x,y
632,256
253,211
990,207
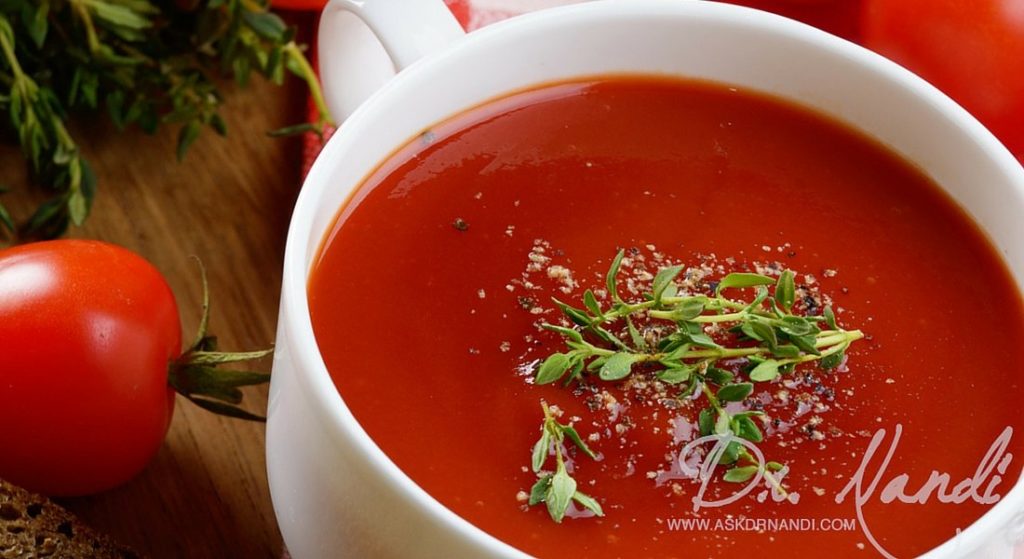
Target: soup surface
x,y
428,292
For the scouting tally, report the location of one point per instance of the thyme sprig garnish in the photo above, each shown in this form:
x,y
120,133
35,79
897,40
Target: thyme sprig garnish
x,y
558,489
665,333
144,63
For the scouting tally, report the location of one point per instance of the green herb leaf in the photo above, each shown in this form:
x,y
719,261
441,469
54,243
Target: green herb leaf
x,y
718,376
830,318
832,360
540,449
559,494
798,326
690,309
590,301
619,366
760,331
735,392
578,441
740,474
785,290
787,351
576,315
765,371
634,335
731,454
539,490
706,422
701,339
723,423
674,376
552,368
567,332
745,428
662,280
742,279
188,134
588,502
806,343
266,24
613,272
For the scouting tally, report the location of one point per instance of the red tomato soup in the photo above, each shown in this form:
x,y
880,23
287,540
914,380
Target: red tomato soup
x,y
428,292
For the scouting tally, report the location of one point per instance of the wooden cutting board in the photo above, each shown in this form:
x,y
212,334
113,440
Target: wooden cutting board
x,y
205,494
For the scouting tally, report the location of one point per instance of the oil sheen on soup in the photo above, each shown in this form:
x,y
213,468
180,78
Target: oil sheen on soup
x,y
429,293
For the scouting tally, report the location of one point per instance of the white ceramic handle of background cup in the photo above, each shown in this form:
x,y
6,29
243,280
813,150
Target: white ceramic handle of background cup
x,y
369,41
335,493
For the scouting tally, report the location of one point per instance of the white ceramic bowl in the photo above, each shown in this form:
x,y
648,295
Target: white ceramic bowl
x,y
334,491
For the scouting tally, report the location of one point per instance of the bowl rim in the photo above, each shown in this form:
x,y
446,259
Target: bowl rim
x,y
310,369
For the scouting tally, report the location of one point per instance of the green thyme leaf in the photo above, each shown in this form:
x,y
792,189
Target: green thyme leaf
x,y
567,332
740,474
786,351
559,494
578,441
634,335
830,318
745,428
552,368
588,502
718,376
742,279
832,360
760,331
785,290
731,454
610,280
576,315
540,449
706,421
662,280
701,339
806,343
590,301
539,490
674,376
735,392
690,309
797,326
723,423
765,371
618,366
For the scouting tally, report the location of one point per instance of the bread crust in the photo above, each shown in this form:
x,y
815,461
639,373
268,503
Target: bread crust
x,y
33,527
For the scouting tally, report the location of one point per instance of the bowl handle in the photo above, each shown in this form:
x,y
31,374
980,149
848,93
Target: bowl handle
x,y
364,43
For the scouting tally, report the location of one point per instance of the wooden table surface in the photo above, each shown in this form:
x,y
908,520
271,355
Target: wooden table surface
x,y
205,494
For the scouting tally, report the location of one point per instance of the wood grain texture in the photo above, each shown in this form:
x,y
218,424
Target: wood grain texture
x,y
205,494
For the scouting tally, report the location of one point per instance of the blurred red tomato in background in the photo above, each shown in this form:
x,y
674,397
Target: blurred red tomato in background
x,y
973,51
299,4
839,17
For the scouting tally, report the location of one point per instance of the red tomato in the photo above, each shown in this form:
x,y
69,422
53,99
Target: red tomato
x,y
88,331
973,51
839,17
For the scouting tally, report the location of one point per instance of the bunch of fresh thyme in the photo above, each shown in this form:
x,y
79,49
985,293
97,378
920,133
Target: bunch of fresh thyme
x,y
145,62
764,331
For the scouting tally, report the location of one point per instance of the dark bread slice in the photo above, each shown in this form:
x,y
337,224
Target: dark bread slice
x,y
33,527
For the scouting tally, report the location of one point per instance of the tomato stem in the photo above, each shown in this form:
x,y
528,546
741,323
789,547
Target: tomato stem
x,y
195,376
